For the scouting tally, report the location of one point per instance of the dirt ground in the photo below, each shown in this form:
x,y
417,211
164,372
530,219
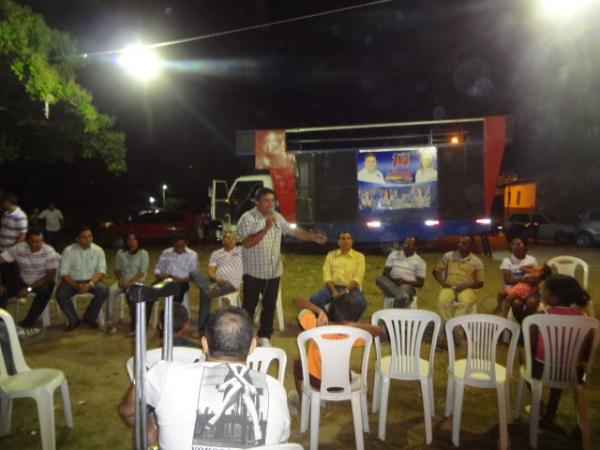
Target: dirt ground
x,y
94,364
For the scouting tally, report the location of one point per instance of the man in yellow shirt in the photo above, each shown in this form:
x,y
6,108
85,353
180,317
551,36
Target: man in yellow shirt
x,y
343,273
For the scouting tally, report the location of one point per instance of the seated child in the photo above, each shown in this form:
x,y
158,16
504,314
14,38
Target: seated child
x,y
523,290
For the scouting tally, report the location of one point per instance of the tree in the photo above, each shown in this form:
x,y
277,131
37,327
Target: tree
x,y
44,114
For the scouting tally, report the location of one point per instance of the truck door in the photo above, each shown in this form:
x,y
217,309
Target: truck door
x,y
219,202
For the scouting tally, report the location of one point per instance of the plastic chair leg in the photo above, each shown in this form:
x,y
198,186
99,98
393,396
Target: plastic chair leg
x,y
502,415
5,415
46,316
66,399
449,396
584,420
432,402
45,407
364,409
536,399
383,407
426,392
315,412
519,401
279,310
304,411
459,389
357,419
507,399
376,392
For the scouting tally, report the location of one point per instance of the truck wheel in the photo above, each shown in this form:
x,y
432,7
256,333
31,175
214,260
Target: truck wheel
x,y
562,238
584,239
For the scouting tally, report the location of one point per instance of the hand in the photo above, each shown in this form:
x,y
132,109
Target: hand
x,y
221,282
458,288
269,221
21,294
320,238
84,287
399,282
322,319
123,283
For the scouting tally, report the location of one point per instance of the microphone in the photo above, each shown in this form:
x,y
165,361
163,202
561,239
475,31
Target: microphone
x,y
272,211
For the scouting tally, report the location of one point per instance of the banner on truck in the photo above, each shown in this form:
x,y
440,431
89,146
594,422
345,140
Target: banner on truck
x,y
397,179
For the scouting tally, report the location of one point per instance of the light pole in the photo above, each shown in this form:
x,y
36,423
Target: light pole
x,y
164,191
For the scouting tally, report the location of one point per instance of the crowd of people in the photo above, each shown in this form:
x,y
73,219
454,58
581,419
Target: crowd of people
x,y
29,265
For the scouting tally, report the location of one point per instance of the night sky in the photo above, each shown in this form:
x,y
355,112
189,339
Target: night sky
x,y
404,60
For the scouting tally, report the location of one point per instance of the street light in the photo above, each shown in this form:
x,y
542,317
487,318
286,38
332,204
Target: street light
x,y
164,190
562,8
140,62
151,200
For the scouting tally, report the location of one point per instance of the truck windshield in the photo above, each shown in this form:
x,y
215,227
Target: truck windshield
x,y
242,197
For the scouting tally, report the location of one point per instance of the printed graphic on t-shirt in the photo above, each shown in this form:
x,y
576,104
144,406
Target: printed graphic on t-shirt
x,y
232,408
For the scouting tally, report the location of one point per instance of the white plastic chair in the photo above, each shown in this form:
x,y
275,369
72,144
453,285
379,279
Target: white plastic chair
x,y
156,312
278,309
187,355
287,446
568,265
480,368
405,329
261,358
30,297
38,384
388,302
335,377
563,338
233,298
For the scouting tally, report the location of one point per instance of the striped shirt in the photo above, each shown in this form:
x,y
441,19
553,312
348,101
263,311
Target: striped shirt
x,y
264,259
177,264
13,225
229,265
32,266
82,263
406,268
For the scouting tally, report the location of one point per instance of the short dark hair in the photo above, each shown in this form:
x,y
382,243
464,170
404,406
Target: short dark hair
x,y
261,192
179,236
33,232
344,232
344,309
228,333
137,238
83,229
412,237
10,198
180,317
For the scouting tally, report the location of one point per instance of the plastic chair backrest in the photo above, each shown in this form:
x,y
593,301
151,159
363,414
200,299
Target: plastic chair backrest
x,y
483,333
261,358
405,328
187,355
15,347
335,356
563,338
567,265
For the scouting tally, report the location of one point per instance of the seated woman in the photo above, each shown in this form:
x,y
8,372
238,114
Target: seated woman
x,y
526,288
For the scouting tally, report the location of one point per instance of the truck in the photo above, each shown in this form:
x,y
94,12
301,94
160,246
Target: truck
x,y
382,182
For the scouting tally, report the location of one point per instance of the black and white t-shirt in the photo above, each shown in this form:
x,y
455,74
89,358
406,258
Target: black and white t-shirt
x,y
216,406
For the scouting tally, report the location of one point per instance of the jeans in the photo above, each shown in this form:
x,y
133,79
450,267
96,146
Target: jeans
x,y
65,292
42,296
253,289
323,297
204,283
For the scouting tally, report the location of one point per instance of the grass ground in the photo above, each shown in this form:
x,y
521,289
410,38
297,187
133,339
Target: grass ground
x,y
94,364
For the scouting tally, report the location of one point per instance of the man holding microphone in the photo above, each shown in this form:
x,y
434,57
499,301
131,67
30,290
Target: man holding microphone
x,y
260,231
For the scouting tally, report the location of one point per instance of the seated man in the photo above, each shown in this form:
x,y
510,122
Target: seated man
x,y
37,264
181,323
82,269
225,271
404,271
460,274
343,273
203,405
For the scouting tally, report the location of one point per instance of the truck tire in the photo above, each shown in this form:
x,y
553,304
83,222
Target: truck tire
x,y
584,239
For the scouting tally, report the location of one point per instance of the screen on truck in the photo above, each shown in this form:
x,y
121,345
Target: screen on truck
x,y
398,179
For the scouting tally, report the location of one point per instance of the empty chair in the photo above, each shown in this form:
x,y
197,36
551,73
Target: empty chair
x,y
569,265
187,355
261,358
480,368
563,339
38,384
405,329
335,343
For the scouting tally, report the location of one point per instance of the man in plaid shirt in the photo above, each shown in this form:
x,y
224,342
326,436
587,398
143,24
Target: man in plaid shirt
x,y
260,231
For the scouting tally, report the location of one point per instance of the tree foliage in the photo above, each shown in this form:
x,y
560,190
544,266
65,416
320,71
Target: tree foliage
x,y
44,113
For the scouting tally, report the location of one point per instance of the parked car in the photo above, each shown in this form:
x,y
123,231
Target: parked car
x,y
537,226
588,230
152,224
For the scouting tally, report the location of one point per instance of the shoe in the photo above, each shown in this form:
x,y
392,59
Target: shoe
x,y
214,291
28,332
264,342
72,326
92,324
110,328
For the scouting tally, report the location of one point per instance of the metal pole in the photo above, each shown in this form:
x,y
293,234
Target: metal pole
x,y
164,199
141,435
167,352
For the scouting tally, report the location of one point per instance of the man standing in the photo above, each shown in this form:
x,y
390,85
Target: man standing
x,y
13,227
177,262
200,405
82,268
225,272
403,273
53,223
343,273
37,264
460,274
260,230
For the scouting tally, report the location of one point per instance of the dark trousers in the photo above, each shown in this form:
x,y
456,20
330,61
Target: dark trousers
x,y
65,292
42,296
9,275
204,284
253,289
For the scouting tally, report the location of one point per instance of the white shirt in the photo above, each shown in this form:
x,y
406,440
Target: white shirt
x,y
514,264
177,264
52,218
371,177
13,225
32,266
264,259
424,176
229,265
408,269
187,396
